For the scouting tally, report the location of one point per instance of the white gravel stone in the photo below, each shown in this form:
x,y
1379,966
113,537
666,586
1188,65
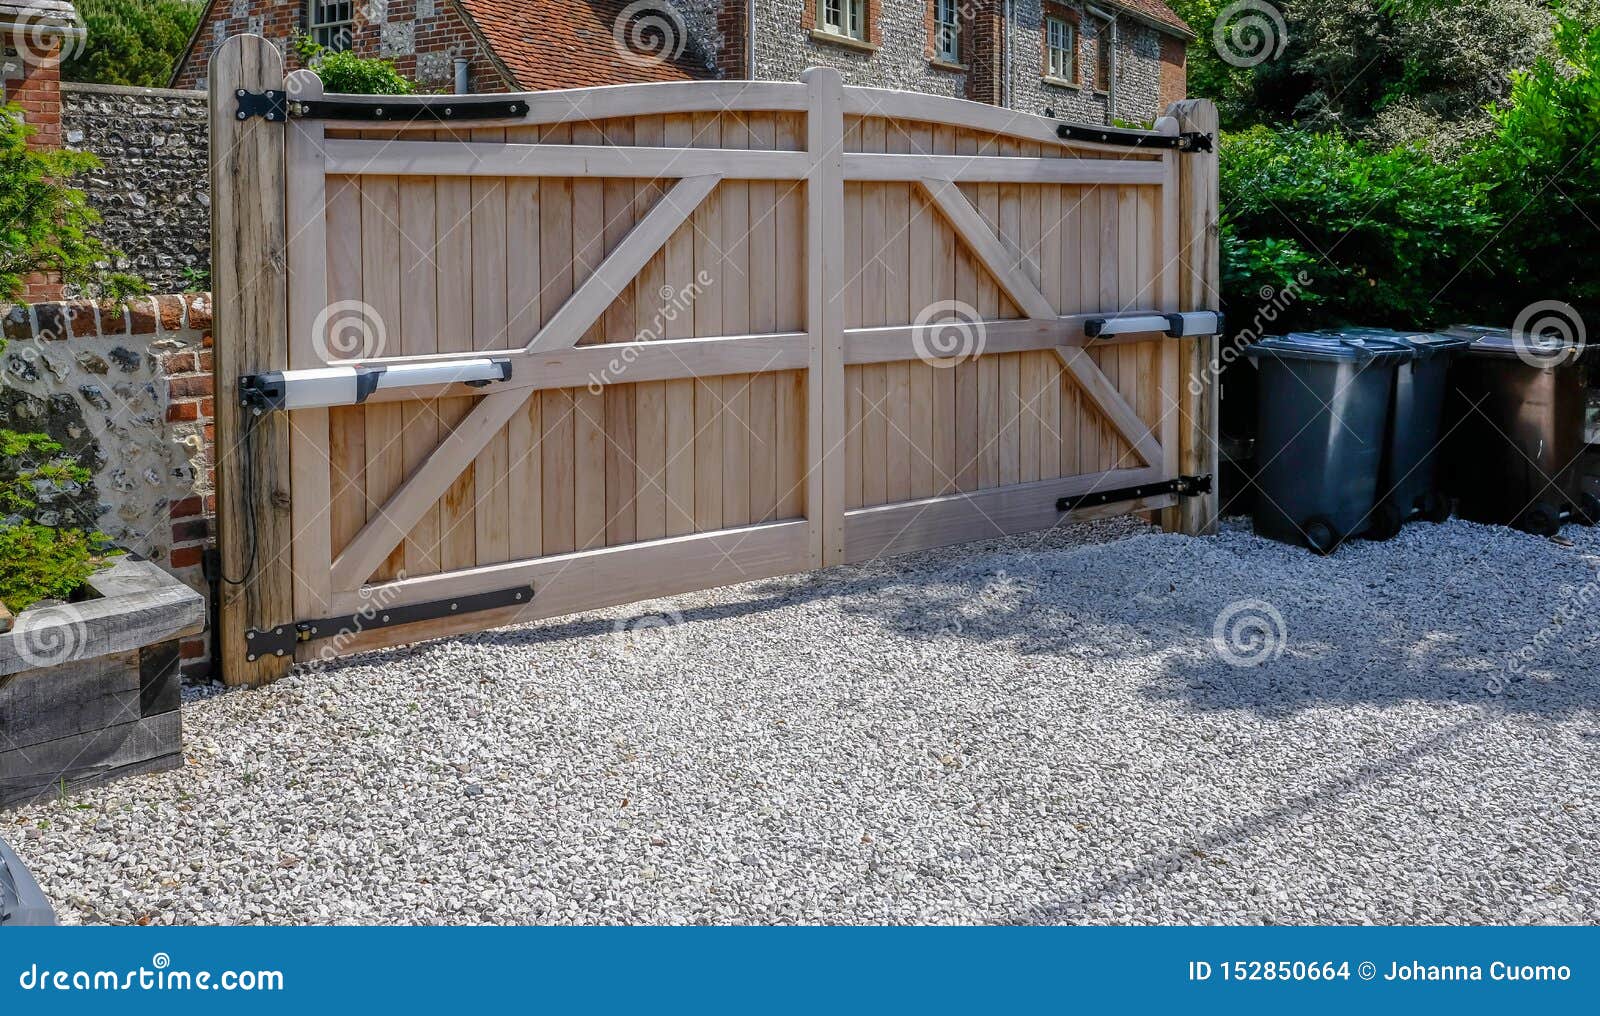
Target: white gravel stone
x,y
1035,730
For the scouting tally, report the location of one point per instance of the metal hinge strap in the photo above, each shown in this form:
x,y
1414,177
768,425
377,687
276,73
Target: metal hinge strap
x,y
280,640
1183,486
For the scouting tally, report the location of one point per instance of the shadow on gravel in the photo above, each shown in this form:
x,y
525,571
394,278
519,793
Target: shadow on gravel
x,y
1239,623
1317,800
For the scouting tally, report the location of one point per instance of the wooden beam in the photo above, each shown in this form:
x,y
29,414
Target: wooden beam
x,y
426,158
1001,169
605,102
825,394
1199,358
907,526
888,343
1001,261
585,306
590,579
368,548
1111,404
613,363
311,473
250,321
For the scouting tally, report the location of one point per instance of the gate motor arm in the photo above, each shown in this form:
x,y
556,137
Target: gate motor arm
x,y
1176,326
351,385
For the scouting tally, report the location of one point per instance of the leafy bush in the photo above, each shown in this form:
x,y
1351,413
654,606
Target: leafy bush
x,y
40,557
1547,167
45,223
132,42
1376,235
37,562
346,72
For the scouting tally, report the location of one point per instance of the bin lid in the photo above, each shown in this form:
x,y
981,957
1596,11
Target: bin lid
x,y
1423,344
1532,349
1330,346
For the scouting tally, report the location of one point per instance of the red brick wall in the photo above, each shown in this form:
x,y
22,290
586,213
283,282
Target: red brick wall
x,y
1174,71
38,92
445,32
734,31
983,35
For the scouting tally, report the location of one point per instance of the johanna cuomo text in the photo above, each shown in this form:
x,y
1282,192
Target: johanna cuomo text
x,y
1499,970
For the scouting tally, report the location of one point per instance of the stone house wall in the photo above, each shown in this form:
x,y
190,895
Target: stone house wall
x,y
152,191
422,37
899,53
127,388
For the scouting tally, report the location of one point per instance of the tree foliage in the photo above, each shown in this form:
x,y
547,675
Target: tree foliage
x,y
132,42
45,223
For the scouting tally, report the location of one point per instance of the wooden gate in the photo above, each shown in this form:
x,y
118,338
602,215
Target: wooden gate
x,y
753,328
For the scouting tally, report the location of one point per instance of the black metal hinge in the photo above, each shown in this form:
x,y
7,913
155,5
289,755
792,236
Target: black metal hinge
x,y
278,107
1189,141
1183,486
270,105
280,640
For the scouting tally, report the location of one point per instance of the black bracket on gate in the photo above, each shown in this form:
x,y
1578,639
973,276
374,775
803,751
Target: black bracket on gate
x,y
278,107
1183,486
280,640
1189,141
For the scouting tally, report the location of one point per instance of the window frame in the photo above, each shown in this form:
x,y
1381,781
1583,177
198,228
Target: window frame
x,y
947,27
852,14
336,35
1068,50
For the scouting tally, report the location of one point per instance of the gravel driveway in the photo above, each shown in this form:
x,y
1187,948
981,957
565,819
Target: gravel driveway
x,y
1017,732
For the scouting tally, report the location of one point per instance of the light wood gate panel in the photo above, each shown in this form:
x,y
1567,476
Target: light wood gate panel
x,y
722,303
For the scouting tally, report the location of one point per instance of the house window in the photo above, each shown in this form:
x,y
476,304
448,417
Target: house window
x,y
947,30
1060,50
845,17
332,23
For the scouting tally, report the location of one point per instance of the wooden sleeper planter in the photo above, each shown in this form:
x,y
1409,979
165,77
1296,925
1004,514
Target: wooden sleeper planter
x,y
90,691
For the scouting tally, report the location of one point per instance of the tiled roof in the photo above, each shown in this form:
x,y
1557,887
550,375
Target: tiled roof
x,y
573,43
1158,12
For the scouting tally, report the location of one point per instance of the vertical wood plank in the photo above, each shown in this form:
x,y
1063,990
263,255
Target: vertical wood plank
x,y
650,412
1197,290
679,265
458,536
380,287
491,495
525,481
824,388
310,467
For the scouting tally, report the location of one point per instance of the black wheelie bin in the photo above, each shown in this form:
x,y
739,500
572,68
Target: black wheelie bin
x,y
1410,485
1515,426
1323,408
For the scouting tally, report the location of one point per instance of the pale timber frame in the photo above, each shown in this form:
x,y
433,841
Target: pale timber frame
x,y
709,293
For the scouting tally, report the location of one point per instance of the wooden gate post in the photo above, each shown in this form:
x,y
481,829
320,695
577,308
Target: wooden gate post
x,y
1198,289
825,284
250,335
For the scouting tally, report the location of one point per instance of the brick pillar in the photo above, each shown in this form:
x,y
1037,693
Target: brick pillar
x,y
34,84
985,38
733,32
